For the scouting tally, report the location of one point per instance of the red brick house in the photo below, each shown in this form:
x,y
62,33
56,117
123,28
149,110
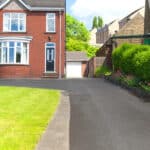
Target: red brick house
x,y
32,38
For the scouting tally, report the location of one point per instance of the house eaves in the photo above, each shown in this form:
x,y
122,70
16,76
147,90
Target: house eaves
x,y
33,8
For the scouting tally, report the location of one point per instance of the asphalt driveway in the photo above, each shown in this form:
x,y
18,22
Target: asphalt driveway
x,y
103,116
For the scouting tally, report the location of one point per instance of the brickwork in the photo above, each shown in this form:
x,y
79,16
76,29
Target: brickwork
x,y
94,63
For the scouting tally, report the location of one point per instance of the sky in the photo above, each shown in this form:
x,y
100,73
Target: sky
x,y
109,10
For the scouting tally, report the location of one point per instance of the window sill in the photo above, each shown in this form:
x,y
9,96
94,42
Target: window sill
x,y
13,32
49,32
50,72
14,65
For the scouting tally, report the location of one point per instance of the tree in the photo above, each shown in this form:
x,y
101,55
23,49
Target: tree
x,y
76,29
95,23
100,22
77,37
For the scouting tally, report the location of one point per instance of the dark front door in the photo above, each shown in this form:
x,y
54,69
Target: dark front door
x,y
50,59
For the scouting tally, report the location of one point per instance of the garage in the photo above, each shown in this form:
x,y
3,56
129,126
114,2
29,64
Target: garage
x,y
74,69
76,64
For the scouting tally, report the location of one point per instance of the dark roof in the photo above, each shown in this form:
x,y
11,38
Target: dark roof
x,y
45,3
42,3
76,56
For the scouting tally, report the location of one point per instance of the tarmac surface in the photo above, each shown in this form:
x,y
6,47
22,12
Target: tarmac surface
x,y
102,116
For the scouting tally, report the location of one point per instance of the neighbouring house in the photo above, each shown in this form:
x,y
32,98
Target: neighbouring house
x,y
92,40
133,24
32,38
76,64
130,16
104,33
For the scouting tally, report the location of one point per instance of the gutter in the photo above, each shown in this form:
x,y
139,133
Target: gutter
x,y
60,41
131,36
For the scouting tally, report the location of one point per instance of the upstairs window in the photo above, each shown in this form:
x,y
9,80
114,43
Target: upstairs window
x,y
50,22
14,22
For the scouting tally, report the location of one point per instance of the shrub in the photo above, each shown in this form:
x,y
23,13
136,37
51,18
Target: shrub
x,y
118,54
103,70
133,60
142,65
127,62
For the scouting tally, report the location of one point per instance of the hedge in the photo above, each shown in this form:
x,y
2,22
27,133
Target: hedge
x,y
133,59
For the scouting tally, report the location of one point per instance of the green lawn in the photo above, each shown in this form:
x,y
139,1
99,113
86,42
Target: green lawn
x,y
24,115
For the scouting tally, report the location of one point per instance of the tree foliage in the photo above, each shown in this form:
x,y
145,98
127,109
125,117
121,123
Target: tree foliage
x,y
97,22
76,29
77,37
100,22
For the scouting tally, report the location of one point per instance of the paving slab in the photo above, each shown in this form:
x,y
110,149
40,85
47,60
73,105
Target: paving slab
x,y
56,136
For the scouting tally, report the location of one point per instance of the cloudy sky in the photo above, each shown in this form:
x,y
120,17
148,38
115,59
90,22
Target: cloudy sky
x,y
84,10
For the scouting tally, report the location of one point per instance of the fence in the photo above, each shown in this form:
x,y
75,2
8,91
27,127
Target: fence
x,y
94,63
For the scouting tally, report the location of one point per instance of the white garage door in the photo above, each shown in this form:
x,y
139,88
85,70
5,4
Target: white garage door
x,y
74,70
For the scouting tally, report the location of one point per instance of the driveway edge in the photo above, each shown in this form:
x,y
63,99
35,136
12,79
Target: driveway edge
x,y
56,136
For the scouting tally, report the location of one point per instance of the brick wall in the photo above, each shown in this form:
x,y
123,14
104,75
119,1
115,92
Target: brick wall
x,y
93,64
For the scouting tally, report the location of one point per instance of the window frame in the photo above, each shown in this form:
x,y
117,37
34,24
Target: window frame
x,y
47,20
10,21
7,62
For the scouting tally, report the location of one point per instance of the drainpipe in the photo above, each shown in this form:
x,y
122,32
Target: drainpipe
x,y
60,45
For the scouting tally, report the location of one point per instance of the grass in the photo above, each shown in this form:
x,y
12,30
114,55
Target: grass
x,y
24,116
103,70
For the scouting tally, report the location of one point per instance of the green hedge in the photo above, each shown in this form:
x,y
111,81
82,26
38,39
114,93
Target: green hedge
x,y
133,59
142,65
118,55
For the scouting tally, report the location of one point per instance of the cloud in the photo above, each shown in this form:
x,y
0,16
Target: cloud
x,y
108,9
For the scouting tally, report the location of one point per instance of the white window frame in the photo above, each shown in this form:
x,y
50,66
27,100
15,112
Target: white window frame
x,y
10,19
47,22
53,46
15,48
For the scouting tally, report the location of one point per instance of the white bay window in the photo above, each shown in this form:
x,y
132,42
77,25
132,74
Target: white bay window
x,y
14,52
14,22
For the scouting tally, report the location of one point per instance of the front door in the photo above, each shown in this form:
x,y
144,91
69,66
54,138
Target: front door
x,y
50,59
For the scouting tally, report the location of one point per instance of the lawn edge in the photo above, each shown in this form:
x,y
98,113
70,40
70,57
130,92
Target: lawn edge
x,y
56,136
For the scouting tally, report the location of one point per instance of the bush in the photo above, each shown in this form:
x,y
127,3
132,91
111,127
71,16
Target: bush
x,y
118,54
103,70
142,65
78,45
133,60
127,61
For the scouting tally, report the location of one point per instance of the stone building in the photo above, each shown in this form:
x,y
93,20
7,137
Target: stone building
x,y
104,33
135,26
